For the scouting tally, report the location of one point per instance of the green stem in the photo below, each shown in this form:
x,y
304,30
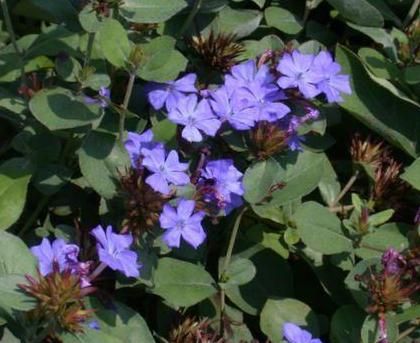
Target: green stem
x,y
124,105
226,263
9,26
411,12
191,16
345,189
34,216
89,48
406,333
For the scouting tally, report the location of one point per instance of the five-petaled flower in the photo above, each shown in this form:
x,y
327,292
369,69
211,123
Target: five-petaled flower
x,y
294,334
59,252
165,170
113,250
168,94
196,117
182,222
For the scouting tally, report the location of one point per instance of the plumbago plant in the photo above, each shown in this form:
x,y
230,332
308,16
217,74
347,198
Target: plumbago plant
x,y
209,171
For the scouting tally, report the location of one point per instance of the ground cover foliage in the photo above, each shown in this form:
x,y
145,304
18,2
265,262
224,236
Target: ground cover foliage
x,y
209,171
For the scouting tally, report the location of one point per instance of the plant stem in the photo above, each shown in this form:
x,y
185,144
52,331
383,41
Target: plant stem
x,y
411,12
9,26
226,263
124,105
405,333
99,269
89,48
11,32
191,16
31,220
341,209
345,189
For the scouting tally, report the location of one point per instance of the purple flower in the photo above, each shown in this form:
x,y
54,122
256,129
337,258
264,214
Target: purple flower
x,y
113,250
94,325
135,143
165,170
59,252
262,101
294,334
182,222
104,98
196,116
171,92
297,71
247,73
393,262
230,108
331,83
227,181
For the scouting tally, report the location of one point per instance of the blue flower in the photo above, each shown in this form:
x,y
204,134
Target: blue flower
x,y
247,73
135,143
331,84
165,170
263,101
231,108
171,92
298,71
196,117
182,222
226,180
58,253
294,334
113,250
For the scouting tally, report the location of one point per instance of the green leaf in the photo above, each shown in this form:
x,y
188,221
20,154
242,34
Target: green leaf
x,y
13,298
59,108
164,131
380,109
113,40
254,48
68,68
359,12
304,170
14,179
90,20
375,243
321,230
370,332
239,272
181,283
413,312
378,64
273,279
241,22
412,174
282,20
89,336
151,11
269,239
10,245
346,324
120,322
61,11
260,178
380,36
160,67
51,178
412,74
356,289
380,217
329,186
101,160
278,312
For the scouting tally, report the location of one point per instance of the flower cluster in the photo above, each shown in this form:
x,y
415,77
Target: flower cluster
x,y
218,188
252,93
113,251
253,98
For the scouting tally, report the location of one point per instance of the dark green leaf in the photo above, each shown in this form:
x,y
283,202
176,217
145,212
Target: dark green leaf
x,y
346,324
10,245
358,11
278,312
282,20
151,11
